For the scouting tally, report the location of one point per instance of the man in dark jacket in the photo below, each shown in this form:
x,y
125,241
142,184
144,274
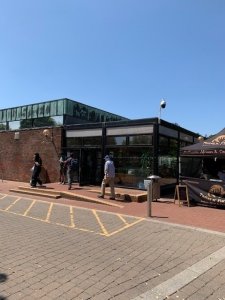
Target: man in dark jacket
x,y
71,165
36,170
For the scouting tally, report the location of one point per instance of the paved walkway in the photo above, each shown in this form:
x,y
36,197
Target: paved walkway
x,y
65,249
163,210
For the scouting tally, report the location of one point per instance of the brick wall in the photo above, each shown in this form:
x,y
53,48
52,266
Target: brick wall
x,y
16,156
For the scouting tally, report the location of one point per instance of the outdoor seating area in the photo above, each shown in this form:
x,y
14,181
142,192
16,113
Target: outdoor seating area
x,y
202,170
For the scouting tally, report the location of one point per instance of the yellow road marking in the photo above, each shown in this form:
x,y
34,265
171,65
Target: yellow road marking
x,y
78,228
13,203
124,221
71,217
125,227
49,213
103,231
99,222
26,212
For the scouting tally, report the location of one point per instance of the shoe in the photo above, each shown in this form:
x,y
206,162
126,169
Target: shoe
x,y
69,188
100,196
33,186
112,198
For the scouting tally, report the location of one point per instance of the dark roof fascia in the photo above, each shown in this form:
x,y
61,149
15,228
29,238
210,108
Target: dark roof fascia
x,y
179,128
136,122
111,124
82,126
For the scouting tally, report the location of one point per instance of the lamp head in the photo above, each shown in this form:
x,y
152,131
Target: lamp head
x,y
200,138
46,132
163,104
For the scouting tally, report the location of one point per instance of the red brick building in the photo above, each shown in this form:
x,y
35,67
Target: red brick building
x,y
18,147
139,147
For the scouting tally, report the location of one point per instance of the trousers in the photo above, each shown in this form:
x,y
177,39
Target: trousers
x,y
110,182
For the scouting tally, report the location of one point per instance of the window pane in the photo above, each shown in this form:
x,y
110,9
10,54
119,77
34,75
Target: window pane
x,y
140,140
133,165
46,121
92,141
168,162
14,125
58,120
73,141
116,140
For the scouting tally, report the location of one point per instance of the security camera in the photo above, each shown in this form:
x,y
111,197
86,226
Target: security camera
x,y
163,104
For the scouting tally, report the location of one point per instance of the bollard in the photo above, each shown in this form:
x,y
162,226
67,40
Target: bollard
x,y
149,198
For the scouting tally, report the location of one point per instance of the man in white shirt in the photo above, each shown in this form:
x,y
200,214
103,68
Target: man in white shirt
x,y
109,170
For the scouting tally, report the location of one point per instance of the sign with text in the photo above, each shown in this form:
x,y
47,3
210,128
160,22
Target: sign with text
x,y
207,192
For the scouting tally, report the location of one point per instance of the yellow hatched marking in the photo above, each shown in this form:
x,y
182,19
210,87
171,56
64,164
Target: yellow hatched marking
x,y
121,217
80,229
3,196
72,226
12,204
49,213
100,223
125,227
26,212
71,217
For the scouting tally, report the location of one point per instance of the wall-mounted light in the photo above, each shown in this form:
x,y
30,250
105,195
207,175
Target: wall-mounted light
x,y
48,136
46,133
16,136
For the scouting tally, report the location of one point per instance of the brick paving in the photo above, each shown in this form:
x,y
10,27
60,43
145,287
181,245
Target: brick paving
x,y
45,260
163,210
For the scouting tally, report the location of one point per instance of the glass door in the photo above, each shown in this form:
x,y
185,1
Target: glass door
x,y
90,166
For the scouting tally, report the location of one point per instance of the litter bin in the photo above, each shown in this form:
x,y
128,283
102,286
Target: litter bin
x,y
153,191
154,179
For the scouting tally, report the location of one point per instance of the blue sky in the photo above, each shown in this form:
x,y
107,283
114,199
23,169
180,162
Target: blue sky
x,y
122,56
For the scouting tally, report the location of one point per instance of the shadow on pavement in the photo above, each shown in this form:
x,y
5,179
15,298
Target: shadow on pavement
x,y
158,217
3,278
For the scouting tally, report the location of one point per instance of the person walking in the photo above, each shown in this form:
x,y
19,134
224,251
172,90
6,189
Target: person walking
x,y
62,169
71,165
109,176
36,170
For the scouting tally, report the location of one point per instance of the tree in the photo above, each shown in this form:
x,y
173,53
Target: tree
x,y
2,127
41,122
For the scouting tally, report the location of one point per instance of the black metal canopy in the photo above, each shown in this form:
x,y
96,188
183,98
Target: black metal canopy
x,y
211,147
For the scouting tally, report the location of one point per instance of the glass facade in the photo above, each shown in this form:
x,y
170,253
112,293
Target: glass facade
x,y
167,159
52,113
138,151
133,165
133,157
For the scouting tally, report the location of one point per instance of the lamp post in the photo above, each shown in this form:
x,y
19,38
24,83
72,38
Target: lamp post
x,y
162,105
